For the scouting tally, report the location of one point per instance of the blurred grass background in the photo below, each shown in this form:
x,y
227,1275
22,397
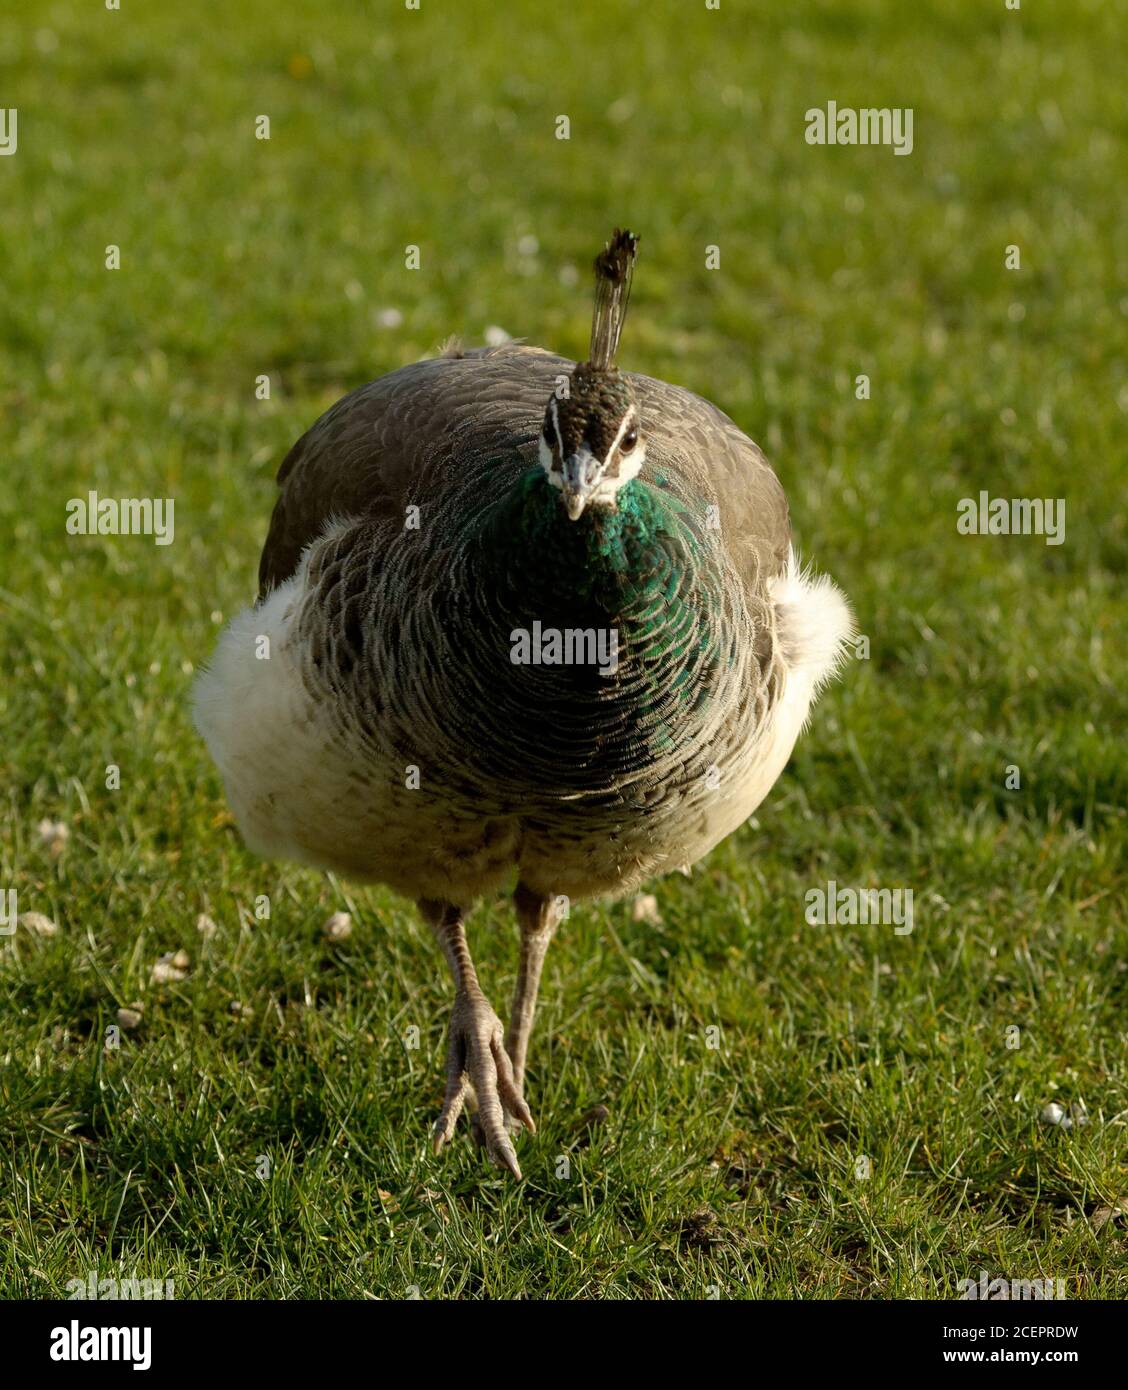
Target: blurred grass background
x,y
730,1170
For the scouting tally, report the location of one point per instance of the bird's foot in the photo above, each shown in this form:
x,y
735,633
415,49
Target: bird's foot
x,y
477,1061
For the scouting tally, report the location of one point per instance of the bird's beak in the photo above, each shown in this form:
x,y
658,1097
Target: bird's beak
x,y
580,477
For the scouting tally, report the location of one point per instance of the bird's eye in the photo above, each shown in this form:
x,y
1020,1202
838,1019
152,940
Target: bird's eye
x,y
630,439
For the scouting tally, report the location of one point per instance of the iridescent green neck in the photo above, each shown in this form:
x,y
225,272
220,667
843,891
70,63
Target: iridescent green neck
x,y
608,557
649,571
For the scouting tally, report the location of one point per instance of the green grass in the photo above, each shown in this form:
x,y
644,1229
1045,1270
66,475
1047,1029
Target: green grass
x,y
730,1168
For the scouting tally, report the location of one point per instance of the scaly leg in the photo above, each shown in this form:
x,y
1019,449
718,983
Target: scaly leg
x,y
538,918
476,1055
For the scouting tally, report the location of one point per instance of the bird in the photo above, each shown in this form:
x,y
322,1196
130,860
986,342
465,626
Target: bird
x,y
523,623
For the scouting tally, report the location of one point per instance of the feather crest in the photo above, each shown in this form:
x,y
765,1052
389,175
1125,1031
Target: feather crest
x,y
614,267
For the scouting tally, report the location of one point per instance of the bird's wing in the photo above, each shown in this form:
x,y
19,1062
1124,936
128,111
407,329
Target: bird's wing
x,y
365,455
715,462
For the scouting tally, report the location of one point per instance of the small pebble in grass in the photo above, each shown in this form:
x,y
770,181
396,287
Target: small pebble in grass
x,y
338,927
128,1019
172,967
1061,1118
37,923
593,1118
53,834
205,926
1103,1215
645,909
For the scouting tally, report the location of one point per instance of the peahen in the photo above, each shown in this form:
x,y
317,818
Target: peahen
x,y
525,617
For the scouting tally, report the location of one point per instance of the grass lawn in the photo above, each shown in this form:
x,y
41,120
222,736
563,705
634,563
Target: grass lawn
x,y
729,1162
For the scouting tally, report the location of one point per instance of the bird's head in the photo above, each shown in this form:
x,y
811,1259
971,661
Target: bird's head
x,y
591,444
